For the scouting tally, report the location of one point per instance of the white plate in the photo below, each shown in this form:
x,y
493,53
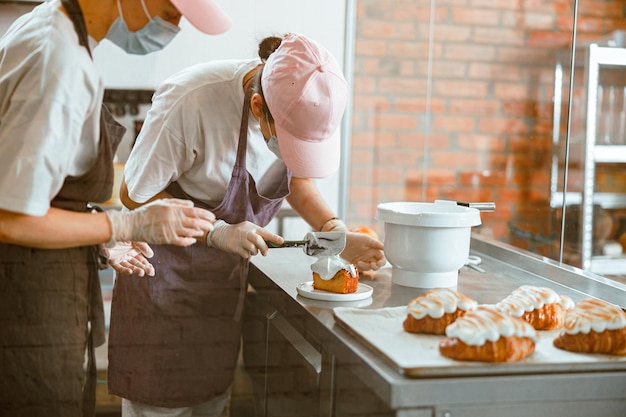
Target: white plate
x,y
306,289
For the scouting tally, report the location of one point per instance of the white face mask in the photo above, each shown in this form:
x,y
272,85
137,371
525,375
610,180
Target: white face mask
x,y
272,142
155,35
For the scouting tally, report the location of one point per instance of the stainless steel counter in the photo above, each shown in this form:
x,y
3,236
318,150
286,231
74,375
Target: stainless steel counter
x,y
563,393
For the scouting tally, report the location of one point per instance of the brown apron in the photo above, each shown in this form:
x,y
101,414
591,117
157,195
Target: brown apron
x,y
51,305
174,338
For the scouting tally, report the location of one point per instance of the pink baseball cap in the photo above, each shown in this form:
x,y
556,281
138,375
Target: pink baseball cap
x,y
205,15
306,93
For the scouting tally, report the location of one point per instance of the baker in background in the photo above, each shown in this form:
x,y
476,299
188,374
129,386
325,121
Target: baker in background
x,y
237,137
57,143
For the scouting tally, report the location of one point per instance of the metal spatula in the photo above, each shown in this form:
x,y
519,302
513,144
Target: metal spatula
x,y
316,243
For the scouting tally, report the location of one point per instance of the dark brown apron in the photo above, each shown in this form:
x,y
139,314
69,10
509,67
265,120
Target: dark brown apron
x,y
50,302
174,338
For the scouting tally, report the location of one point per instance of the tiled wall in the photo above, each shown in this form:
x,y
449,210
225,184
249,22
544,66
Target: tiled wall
x,y
471,121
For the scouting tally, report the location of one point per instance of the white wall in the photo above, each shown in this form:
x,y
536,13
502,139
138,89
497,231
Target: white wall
x,y
322,20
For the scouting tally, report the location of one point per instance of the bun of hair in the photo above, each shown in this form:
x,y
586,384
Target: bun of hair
x,y
268,45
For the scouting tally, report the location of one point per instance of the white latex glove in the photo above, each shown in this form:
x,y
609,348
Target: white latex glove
x,y
166,221
245,239
365,252
130,258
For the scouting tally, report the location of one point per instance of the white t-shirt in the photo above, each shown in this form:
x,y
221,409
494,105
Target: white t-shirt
x,y
50,98
191,132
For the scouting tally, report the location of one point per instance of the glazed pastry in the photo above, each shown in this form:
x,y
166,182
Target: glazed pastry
x,y
434,310
542,307
332,273
488,335
594,326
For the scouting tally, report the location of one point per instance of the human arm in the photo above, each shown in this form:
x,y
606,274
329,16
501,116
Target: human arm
x,y
171,222
362,250
57,229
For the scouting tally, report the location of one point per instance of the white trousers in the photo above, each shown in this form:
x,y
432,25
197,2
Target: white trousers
x,y
213,408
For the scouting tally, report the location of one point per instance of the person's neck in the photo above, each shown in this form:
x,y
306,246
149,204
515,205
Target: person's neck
x,y
99,16
247,79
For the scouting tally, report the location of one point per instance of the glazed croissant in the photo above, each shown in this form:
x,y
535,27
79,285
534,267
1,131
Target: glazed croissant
x,y
505,349
612,342
541,307
435,309
594,326
489,335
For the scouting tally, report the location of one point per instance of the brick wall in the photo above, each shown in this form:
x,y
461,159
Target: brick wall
x,y
474,122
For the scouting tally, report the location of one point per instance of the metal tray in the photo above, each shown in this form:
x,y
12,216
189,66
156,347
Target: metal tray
x,y
418,355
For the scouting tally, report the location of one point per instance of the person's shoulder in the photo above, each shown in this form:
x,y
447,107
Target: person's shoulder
x,y
209,71
44,42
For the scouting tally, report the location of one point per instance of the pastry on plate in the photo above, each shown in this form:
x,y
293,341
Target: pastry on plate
x,y
594,326
435,309
542,307
334,274
488,335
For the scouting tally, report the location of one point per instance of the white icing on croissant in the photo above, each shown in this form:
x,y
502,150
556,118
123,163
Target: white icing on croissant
x,y
528,298
328,266
597,315
488,324
438,301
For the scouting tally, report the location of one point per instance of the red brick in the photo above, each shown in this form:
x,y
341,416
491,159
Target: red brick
x,y
481,143
549,39
494,71
372,139
502,125
402,86
411,49
369,47
449,69
364,85
418,104
453,33
474,106
499,36
455,88
453,123
475,16
536,56
471,53
494,4
393,121
457,160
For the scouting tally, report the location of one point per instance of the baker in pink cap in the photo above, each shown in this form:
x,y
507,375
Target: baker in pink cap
x,y
237,137
306,95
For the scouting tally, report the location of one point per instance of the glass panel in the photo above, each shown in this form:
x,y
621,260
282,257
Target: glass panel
x,y
456,100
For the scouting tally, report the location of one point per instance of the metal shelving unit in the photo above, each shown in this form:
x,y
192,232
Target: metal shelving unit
x,y
595,57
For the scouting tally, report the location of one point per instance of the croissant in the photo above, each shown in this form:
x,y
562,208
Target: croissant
x,y
612,342
541,307
505,349
430,325
434,310
488,335
548,317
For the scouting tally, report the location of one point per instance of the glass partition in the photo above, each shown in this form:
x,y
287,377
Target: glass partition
x,y
470,101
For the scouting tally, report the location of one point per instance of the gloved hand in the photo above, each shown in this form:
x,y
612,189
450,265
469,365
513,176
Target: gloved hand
x,y
365,252
130,258
245,239
166,221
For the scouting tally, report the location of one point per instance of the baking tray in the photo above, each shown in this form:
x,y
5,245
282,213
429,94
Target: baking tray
x,y
417,355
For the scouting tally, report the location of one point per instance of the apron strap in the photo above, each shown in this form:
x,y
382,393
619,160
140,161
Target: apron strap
x,y
75,13
243,130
